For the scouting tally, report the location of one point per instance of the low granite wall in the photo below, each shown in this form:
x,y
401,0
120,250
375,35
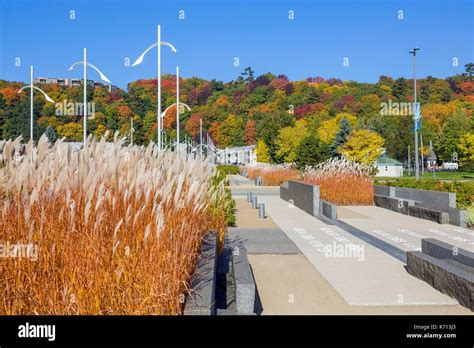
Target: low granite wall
x,y
221,284
201,299
431,205
302,195
306,197
446,268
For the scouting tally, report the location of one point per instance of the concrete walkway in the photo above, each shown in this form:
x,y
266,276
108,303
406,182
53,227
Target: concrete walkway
x,y
403,231
361,273
363,281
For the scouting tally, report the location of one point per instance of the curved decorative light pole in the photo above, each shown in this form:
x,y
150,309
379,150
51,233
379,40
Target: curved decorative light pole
x,y
139,60
102,76
163,114
178,111
32,87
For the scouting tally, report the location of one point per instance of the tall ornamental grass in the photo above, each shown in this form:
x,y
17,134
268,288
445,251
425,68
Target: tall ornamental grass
x,y
342,181
118,229
273,175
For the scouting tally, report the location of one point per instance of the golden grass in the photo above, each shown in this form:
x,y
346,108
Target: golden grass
x,y
342,182
118,228
273,175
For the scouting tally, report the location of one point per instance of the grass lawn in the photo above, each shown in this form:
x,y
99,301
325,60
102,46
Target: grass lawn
x,y
437,176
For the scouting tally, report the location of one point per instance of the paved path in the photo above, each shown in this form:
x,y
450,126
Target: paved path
x,y
241,185
304,283
361,273
403,231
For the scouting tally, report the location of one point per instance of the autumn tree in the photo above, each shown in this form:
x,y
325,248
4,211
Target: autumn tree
x,y
328,129
231,132
288,140
193,125
71,131
363,146
250,132
262,152
124,111
466,148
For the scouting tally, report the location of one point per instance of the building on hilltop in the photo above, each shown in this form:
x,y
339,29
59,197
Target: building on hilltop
x,y
72,82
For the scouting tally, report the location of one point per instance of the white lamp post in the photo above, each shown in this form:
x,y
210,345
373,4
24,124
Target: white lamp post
x,y
416,112
32,87
131,130
177,109
139,60
102,76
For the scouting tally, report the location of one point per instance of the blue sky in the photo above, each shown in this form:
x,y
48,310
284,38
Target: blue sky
x,y
258,32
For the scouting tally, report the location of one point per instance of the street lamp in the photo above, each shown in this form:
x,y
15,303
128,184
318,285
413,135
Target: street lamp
x,y
32,87
131,130
163,114
102,76
178,111
139,60
416,112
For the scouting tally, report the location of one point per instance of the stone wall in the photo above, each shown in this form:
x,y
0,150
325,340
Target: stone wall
x,y
431,205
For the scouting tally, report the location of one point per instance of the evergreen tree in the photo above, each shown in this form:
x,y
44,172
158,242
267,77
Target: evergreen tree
x,y
51,134
341,136
311,151
248,74
400,88
2,114
469,70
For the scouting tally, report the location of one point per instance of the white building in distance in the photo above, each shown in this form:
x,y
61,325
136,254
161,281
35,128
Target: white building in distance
x,y
390,167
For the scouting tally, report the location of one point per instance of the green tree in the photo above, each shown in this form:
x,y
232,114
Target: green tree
x,y
248,74
51,134
400,88
454,128
341,136
268,128
469,70
311,151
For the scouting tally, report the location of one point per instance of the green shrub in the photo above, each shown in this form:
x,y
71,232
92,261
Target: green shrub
x,y
228,169
470,216
229,202
468,167
464,190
